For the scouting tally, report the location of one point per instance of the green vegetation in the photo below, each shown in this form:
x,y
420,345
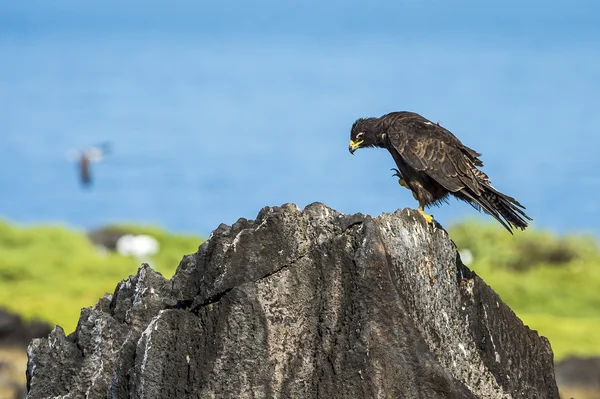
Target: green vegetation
x,y
51,273
550,282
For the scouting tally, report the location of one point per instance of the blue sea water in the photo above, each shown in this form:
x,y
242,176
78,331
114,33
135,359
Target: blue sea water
x,y
208,128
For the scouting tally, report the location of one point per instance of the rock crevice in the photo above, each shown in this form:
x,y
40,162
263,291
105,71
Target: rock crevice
x,y
302,304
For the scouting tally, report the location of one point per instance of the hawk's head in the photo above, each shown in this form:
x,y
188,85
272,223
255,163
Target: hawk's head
x,y
363,134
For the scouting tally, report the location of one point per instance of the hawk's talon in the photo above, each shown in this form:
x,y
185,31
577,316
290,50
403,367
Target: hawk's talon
x,y
428,218
401,180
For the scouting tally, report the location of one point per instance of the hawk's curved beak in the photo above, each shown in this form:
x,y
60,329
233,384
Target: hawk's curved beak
x,y
354,146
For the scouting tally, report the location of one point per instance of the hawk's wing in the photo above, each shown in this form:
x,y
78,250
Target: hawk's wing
x,y
429,148
434,151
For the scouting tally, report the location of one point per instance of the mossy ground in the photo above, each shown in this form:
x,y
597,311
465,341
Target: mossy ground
x,y
551,282
51,273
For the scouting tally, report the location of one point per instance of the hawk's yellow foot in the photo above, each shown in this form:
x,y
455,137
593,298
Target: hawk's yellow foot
x,y
401,180
428,218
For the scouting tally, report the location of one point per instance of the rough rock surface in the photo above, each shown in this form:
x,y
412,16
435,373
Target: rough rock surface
x,y
301,304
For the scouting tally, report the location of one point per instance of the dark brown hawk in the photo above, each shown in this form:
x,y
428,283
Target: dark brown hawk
x,y
433,163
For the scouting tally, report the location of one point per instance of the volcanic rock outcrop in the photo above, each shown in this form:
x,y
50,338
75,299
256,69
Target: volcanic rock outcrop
x,y
301,304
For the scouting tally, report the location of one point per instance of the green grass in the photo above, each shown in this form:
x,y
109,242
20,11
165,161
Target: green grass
x,y
568,335
552,283
52,272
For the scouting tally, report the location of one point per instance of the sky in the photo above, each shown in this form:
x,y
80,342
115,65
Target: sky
x,y
216,109
521,22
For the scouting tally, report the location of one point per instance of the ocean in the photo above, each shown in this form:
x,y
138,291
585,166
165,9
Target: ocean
x,y
207,130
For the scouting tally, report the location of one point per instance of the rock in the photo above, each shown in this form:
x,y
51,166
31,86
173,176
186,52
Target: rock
x,y
118,239
139,246
106,237
312,304
579,375
15,332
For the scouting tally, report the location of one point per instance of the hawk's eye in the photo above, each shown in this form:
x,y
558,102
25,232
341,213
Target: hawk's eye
x,y
360,135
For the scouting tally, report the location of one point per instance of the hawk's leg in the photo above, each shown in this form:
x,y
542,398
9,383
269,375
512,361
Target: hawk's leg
x,y
428,218
401,180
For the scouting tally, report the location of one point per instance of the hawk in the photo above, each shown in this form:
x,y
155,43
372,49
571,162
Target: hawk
x,y
434,164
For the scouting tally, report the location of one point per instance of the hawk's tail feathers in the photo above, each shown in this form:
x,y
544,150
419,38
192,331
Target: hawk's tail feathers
x,y
506,210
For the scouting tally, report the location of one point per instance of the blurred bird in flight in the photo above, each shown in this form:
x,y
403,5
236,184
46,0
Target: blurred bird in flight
x,y
85,158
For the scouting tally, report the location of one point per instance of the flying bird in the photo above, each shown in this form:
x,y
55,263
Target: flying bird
x,y
86,157
434,164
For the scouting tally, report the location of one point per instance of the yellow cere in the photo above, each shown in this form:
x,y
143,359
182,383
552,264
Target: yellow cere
x,y
357,144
